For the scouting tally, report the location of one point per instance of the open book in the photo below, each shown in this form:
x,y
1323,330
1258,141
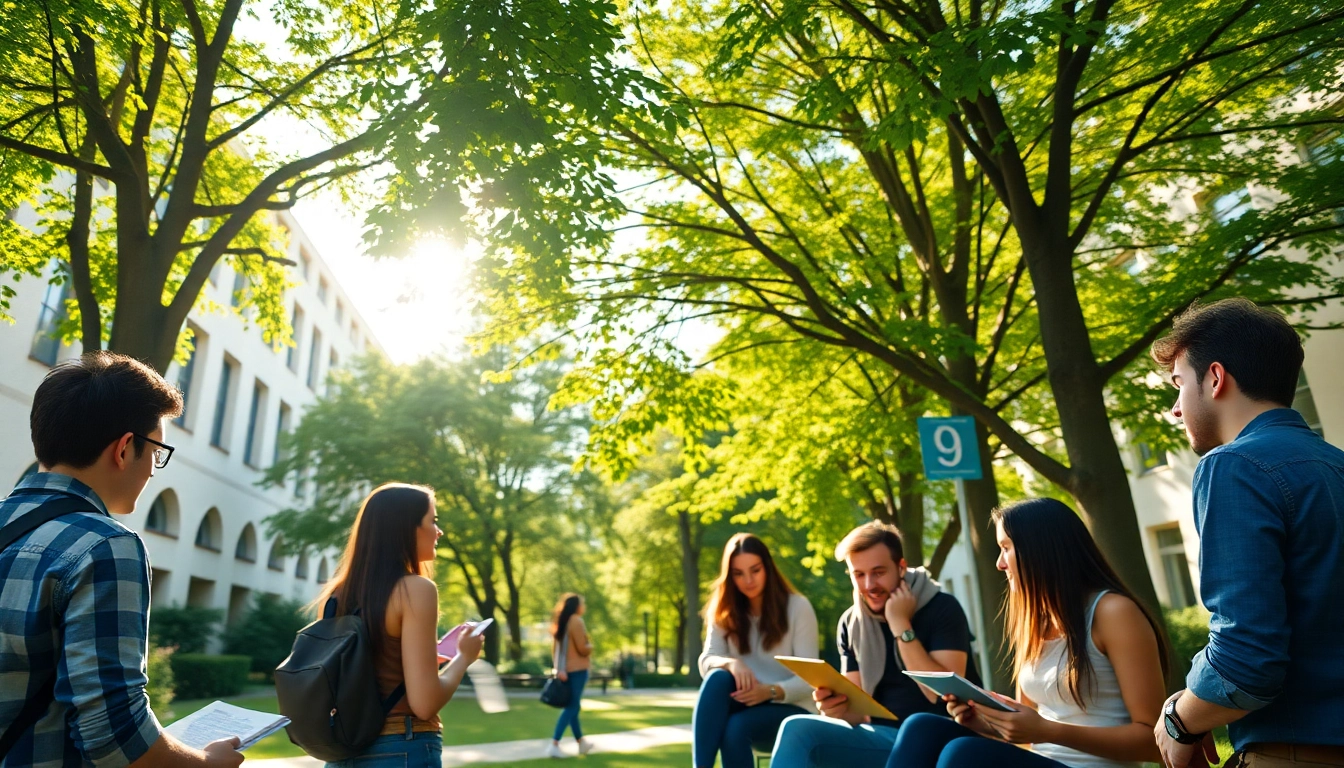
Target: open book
x,y
218,720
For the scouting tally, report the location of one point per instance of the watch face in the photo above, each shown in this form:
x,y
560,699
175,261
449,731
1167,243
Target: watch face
x,y
908,636
1173,730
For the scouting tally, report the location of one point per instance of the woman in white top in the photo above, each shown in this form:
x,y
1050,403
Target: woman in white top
x,y
1089,660
753,614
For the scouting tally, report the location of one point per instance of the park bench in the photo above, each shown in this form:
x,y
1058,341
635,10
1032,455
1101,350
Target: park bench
x,y
536,681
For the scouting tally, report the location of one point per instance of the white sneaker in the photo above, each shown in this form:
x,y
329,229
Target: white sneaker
x,y
553,750
585,746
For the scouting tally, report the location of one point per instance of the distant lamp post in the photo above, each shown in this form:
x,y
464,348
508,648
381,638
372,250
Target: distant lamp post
x,y
646,640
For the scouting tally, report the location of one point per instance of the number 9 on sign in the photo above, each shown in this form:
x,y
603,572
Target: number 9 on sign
x,y
949,448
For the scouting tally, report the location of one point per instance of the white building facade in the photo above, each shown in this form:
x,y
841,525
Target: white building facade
x,y
202,517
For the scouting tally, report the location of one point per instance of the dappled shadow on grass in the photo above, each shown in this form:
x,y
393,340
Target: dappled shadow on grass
x,y
465,723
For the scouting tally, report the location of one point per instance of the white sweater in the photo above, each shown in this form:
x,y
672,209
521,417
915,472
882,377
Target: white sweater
x,y
799,640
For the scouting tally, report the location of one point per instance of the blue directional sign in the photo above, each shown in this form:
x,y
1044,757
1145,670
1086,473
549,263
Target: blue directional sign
x,y
949,448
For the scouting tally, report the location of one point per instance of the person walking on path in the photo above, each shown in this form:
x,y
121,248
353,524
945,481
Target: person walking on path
x,y
1269,507
570,648
385,575
1089,661
74,590
753,614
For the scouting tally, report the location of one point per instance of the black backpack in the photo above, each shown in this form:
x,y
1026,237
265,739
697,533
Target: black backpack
x,y
328,688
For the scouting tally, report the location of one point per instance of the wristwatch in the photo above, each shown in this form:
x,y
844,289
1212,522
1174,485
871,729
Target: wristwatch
x,y
908,636
1175,728
775,692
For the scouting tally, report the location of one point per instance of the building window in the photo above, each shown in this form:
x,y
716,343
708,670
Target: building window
x,y
354,334
1175,567
305,262
257,412
301,570
185,374
322,575
281,427
315,359
335,361
210,532
340,312
239,286
1305,404
1323,149
1151,458
246,550
216,272
1230,206
292,356
219,431
46,341
300,483
162,517
322,288
276,562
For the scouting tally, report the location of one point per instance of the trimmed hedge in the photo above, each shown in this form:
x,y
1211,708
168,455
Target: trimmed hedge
x,y
659,680
204,676
1188,629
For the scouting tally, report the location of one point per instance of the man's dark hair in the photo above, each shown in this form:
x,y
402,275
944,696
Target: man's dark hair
x,y
1256,345
869,535
86,403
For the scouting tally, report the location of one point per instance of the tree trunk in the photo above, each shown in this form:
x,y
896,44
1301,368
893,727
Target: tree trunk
x,y
1099,481
951,535
689,533
911,512
679,657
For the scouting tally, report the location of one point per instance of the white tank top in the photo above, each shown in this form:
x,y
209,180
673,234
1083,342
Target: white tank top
x,y
1045,682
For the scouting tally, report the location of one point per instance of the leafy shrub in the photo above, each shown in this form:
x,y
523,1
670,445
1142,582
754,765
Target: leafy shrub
x,y
1188,629
524,666
186,628
266,632
203,676
160,686
659,680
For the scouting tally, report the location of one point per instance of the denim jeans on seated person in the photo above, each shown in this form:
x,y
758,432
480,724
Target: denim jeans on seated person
x,y
814,741
723,725
932,741
419,750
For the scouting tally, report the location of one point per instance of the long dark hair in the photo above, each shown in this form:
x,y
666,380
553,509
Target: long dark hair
x,y
1058,568
382,550
565,608
730,609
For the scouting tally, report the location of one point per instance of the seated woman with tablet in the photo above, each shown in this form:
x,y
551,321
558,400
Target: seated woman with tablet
x,y
1089,661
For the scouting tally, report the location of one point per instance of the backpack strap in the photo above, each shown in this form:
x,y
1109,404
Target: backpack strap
x,y
398,693
37,705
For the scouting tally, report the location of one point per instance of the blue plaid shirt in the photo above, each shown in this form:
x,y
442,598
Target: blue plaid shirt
x,y
74,597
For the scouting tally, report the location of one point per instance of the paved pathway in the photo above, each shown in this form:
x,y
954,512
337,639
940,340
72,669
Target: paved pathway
x,y
527,749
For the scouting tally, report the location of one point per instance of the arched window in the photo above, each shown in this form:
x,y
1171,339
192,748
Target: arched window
x,y
276,562
163,516
211,531
247,545
301,570
322,575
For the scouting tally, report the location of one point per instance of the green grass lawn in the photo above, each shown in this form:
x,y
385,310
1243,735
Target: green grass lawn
x,y
465,723
675,755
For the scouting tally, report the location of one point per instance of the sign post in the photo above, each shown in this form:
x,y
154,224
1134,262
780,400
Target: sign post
x,y
950,452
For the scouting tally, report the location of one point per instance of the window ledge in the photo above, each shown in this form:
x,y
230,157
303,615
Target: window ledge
x,y
164,534
242,559
281,569
208,548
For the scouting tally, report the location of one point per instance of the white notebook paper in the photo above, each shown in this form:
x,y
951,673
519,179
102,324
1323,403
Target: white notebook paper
x,y
221,721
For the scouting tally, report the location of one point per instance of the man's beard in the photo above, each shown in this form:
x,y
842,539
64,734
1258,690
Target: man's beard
x,y
1201,427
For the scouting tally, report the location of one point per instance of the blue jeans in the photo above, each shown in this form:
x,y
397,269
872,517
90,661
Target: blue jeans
x,y
569,716
931,741
720,724
813,741
421,750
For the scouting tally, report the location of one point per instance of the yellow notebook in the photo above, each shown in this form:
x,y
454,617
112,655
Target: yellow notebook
x,y
819,674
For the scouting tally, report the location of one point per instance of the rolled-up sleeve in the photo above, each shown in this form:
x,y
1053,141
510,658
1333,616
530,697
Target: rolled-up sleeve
x,y
100,674
1241,569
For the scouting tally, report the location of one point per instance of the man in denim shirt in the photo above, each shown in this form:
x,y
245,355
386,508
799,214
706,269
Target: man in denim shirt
x,y
1269,505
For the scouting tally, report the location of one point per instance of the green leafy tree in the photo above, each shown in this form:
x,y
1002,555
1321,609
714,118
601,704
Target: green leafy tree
x,y
163,103
186,628
498,457
953,191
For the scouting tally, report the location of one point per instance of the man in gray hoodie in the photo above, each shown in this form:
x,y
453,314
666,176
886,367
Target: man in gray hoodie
x,y
901,619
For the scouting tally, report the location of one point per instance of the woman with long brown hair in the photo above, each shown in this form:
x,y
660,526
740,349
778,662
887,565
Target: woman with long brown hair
x,y
571,648
384,574
1089,660
753,614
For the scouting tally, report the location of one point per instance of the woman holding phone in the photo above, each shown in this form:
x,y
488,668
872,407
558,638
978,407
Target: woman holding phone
x,y
570,648
1089,661
753,614
384,574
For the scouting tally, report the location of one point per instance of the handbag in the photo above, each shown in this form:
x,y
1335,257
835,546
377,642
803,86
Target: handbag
x,y
556,692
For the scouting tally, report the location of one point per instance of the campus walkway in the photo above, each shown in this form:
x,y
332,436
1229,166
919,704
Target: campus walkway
x,y
526,749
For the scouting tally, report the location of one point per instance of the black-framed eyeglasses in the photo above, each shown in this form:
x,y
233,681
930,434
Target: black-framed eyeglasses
x,y
162,453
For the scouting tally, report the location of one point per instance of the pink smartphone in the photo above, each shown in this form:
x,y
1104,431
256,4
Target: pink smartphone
x,y
448,645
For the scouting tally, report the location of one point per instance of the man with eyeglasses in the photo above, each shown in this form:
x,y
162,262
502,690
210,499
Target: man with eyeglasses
x,y
74,582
